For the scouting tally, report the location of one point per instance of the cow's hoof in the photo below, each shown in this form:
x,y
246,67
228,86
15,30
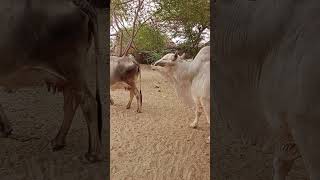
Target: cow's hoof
x,y
193,125
5,132
139,111
128,107
93,157
208,140
57,146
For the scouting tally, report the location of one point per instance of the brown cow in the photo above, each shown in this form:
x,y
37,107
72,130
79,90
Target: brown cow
x,y
124,72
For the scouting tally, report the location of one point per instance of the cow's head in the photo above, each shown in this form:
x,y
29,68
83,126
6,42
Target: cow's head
x,y
167,61
166,65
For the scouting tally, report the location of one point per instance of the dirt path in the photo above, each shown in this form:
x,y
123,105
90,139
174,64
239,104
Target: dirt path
x,y
36,116
157,143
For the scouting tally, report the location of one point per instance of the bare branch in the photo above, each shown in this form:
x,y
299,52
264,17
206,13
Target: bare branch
x,y
123,3
139,7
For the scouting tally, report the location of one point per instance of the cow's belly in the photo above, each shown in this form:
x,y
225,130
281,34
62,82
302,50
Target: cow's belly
x,y
28,77
120,85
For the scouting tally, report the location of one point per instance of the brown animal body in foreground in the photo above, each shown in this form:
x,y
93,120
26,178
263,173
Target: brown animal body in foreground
x,y
124,72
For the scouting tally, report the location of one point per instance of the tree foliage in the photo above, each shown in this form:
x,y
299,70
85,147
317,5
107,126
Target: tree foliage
x,y
150,39
145,25
186,19
130,13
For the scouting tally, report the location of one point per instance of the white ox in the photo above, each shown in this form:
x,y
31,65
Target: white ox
x,y
191,80
124,72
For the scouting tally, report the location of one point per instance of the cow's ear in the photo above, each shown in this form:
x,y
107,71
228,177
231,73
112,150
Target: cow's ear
x,y
175,56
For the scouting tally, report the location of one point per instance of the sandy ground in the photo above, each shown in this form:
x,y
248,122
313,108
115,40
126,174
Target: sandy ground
x,y
157,144
36,116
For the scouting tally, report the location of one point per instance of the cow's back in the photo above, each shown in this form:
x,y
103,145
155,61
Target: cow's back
x,y
113,66
203,55
201,70
122,69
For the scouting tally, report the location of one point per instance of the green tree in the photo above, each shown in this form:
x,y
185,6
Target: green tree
x,y
130,13
186,19
150,39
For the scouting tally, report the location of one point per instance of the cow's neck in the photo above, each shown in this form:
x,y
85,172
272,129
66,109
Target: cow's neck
x,y
182,71
181,75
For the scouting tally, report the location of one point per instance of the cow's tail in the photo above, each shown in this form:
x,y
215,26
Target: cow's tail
x,y
139,69
88,9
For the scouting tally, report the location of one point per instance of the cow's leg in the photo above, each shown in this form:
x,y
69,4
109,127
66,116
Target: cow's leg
x,y
71,103
131,97
206,107
89,108
138,97
5,126
305,131
111,101
285,152
137,94
198,112
205,103
285,155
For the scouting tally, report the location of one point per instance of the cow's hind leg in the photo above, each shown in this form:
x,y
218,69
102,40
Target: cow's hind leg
x,y
71,103
89,108
131,98
138,97
305,131
5,126
111,101
285,155
285,151
198,112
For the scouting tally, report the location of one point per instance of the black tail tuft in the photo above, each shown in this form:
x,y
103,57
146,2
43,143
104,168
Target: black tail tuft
x,y
140,98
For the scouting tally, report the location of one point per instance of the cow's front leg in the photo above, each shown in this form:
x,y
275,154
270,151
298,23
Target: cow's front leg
x,y
5,126
89,108
71,103
198,112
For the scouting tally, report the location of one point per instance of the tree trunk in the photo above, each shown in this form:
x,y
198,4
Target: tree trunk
x,y
121,42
